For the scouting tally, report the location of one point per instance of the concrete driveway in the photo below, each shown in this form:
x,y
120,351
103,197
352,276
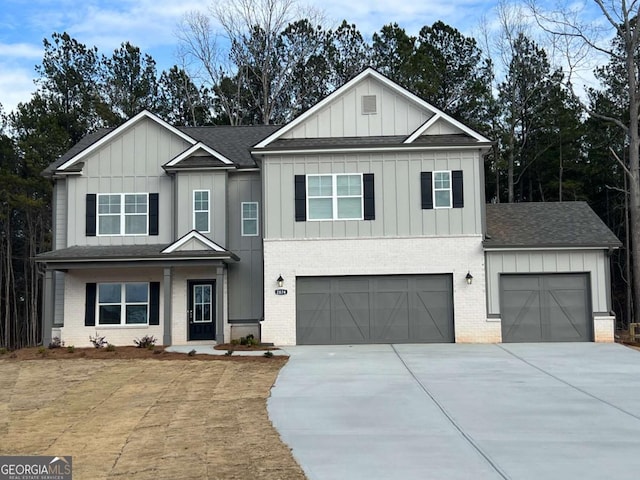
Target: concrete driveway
x,y
510,411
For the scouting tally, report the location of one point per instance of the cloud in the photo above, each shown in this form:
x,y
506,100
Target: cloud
x,y
16,85
22,51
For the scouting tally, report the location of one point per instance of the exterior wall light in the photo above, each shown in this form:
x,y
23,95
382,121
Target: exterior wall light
x,y
469,278
280,281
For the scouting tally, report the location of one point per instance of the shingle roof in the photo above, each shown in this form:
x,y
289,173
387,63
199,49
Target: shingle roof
x,y
234,142
128,252
368,142
546,224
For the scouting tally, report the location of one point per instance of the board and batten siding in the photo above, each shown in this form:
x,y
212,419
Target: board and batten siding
x,y
398,209
343,118
594,262
245,276
216,183
130,163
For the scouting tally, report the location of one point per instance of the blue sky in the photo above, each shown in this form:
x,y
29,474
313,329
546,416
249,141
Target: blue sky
x,y
151,25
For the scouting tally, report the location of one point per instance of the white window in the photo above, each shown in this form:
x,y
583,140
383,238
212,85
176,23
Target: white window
x,y
201,210
249,219
334,197
123,303
123,214
442,189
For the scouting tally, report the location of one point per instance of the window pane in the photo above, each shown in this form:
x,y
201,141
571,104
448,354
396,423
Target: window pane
x,y
250,210
198,313
136,292
202,221
109,315
320,186
135,204
108,203
320,208
442,180
109,293
349,208
349,184
201,200
249,227
135,224
136,314
109,224
442,198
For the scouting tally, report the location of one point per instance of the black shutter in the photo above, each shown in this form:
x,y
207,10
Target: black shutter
x,y
90,306
154,303
457,186
300,198
426,189
90,222
153,214
369,197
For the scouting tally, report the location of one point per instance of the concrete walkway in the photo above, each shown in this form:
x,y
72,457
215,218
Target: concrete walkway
x,y
209,350
510,411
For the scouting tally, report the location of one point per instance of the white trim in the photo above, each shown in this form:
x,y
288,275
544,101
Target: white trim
x,y
422,128
123,215
530,249
117,131
369,72
193,234
242,219
334,196
434,190
191,150
344,150
208,210
123,305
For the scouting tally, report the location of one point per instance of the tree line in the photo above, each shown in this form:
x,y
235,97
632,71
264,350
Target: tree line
x,y
270,68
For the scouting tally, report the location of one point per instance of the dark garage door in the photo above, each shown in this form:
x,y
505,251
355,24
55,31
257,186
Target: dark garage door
x,y
374,309
545,308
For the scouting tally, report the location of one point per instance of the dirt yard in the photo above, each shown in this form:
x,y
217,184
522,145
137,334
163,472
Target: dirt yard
x,y
137,418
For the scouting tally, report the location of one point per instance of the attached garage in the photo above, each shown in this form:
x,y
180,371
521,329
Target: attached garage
x,y
546,308
374,309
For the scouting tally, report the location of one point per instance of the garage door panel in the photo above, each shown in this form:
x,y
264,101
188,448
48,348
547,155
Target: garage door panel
x,y
545,308
377,309
351,320
390,317
315,307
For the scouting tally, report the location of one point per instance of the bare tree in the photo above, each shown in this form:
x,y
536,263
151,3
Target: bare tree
x,y
247,56
618,21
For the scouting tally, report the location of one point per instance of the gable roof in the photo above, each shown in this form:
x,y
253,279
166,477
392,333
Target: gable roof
x,y
122,128
214,157
546,225
232,143
199,238
371,73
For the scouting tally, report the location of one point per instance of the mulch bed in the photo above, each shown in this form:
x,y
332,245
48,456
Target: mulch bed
x,y
126,353
244,348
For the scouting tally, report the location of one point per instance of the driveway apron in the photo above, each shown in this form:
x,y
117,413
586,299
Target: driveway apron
x,y
509,411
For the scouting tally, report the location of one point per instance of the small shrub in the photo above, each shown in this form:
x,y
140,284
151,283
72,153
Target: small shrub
x,y
98,341
252,342
148,341
243,340
268,354
228,353
42,351
235,341
3,351
56,343
71,349
110,347
192,353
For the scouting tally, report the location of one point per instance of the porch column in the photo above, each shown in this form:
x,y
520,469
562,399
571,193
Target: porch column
x,y
47,314
220,299
166,285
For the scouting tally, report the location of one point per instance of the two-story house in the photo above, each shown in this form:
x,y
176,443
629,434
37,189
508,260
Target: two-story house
x,y
361,221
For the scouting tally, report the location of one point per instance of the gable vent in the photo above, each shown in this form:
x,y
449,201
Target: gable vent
x,y
369,105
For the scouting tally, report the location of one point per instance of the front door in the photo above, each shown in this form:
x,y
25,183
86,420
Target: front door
x,y
202,309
